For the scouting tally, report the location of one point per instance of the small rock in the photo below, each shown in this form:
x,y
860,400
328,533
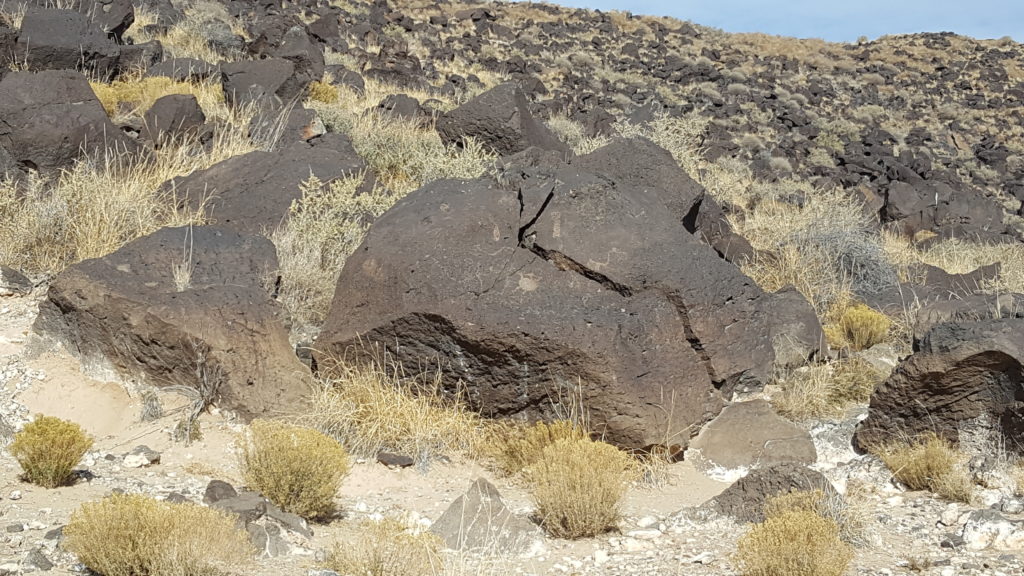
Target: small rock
x,y
55,534
14,528
950,515
646,522
648,534
989,529
600,557
15,495
1012,506
218,490
952,541
141,456
37,561
13,283
704,557
395,460
176,498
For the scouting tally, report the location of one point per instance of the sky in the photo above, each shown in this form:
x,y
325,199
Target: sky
x,y
835,20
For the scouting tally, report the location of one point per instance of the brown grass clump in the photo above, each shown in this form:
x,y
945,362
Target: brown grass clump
x,y
858,327
516,446
48,449
386,548
826,390
850,519
134,96
133,535
794,542
929,463
369,409
1017,477
577,485
299,469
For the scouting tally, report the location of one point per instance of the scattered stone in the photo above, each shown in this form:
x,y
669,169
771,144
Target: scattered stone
x,y
986,529
395,460
13,283
141,456
218,490
479,520
36,560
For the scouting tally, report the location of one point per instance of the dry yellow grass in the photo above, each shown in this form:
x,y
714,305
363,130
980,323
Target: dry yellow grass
x,y
795,542
299,469
369,409
825,390
387,548
132,534
323,92
930,463
323,228
851,518
578,485
134,95
516,446
857,326
48,449
572,134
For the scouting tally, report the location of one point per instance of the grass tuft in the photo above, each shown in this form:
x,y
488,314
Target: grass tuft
x,y
133,535
299,469
370,410
929,463
48,449
857,326
826,390
577,485
386,548
516,446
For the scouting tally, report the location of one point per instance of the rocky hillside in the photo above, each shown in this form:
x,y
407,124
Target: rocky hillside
x,y
753,291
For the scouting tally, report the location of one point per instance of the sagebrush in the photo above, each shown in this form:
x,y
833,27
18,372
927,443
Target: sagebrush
x,y
48,449
515,446
136,535
577,485
929,462
299,469
795,542
386,548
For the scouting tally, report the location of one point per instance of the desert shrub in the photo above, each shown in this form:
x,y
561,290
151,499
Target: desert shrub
x,y
136,535
826,390
324,227
323,92
857,326
930,463
369,409
795,542
850,519
515,447
299,469
48,449
577,485
386,548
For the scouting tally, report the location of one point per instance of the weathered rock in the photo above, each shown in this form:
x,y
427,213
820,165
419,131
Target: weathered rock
x,y
254,80
750,435
213,329
744,501
13,283
973,308
988,529
36,560
395,460
47,118
642,164
184,69
65,40
247,506
500,119
253,192
713,227
171,116
141,456
961,376
218,490
563,278
479,520
114,17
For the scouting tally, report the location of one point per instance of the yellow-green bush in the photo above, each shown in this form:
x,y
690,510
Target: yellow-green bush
x,y
794,542
48,449
515,447
931,463
135,535
386,548
577,485
299,469
323,92
858,327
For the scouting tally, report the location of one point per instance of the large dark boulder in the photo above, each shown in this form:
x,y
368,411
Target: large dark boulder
x,y
745,499
114,17
962,377
66,40
174,115
500,119
220,333
252,193
48,118
254,80
556,279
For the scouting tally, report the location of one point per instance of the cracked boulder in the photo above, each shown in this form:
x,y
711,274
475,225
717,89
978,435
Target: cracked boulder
x,y
187,307
500,119
66,39
556,280
964,378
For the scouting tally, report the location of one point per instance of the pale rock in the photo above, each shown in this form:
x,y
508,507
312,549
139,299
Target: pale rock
x,y
648,534
989,529
600,557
